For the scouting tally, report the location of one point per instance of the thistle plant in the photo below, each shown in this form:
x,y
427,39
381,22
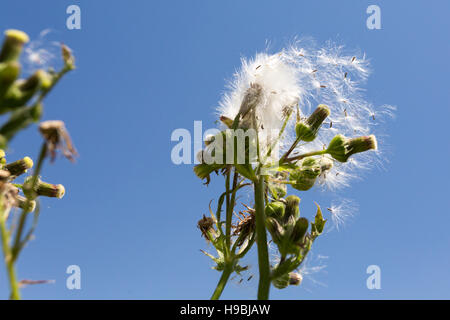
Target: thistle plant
x,y
21,100
293,119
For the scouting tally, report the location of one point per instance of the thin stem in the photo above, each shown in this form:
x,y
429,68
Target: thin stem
x,y
222,282
269,152
247,247
11,253
17,241
56,79
227,210
291,148
261,240
9,263
309,154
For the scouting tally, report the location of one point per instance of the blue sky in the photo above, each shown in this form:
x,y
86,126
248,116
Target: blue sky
x,y
146,68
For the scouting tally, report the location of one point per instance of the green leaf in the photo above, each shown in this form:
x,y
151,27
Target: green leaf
x,y
319,222
203,170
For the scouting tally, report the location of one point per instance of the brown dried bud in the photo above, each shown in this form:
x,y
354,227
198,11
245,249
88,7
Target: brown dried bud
x,y
205,225
57,138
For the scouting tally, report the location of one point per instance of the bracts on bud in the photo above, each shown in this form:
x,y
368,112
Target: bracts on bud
x,y
307,131
19,167
341,148
45,189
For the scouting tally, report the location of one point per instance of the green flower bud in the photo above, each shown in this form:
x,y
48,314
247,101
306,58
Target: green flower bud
x,y
295,279
299,231
308,131
20,119
46,189
275,210
21,202
275,229
305,177
12,45
19,167
9,72
341,148
23,90
281,282
292,209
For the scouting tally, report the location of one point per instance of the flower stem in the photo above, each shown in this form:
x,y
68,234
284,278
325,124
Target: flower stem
x,y
261,240
309,154
15,293
222,282
17,242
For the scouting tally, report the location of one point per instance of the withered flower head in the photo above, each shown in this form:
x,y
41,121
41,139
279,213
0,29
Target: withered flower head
x,y
69,59
8,192
205,225
57,138
245,226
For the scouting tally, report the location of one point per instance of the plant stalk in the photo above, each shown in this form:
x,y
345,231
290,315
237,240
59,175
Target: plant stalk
x,y
222,282
261,240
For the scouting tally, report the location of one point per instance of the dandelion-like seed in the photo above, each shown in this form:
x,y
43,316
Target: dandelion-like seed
x,y
307,75
40,53
312,266
341,212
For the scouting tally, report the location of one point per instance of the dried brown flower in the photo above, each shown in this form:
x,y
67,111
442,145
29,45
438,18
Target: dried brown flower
x,y
205,225
57,138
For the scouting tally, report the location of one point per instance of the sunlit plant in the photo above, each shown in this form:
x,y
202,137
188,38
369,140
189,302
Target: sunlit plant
x,y
295,118
21,101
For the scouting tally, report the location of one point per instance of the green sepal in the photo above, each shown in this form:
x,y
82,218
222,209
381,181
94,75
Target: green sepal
x,y
319,223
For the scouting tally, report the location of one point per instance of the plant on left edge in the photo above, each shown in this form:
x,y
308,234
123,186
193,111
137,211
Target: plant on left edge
x,y
22,100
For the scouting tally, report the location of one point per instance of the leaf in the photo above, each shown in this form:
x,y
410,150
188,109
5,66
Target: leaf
x,y
203,170
319,222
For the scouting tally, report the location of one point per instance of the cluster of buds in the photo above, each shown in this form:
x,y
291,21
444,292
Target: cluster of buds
x,y
16,93
290,233
31,188
21,103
